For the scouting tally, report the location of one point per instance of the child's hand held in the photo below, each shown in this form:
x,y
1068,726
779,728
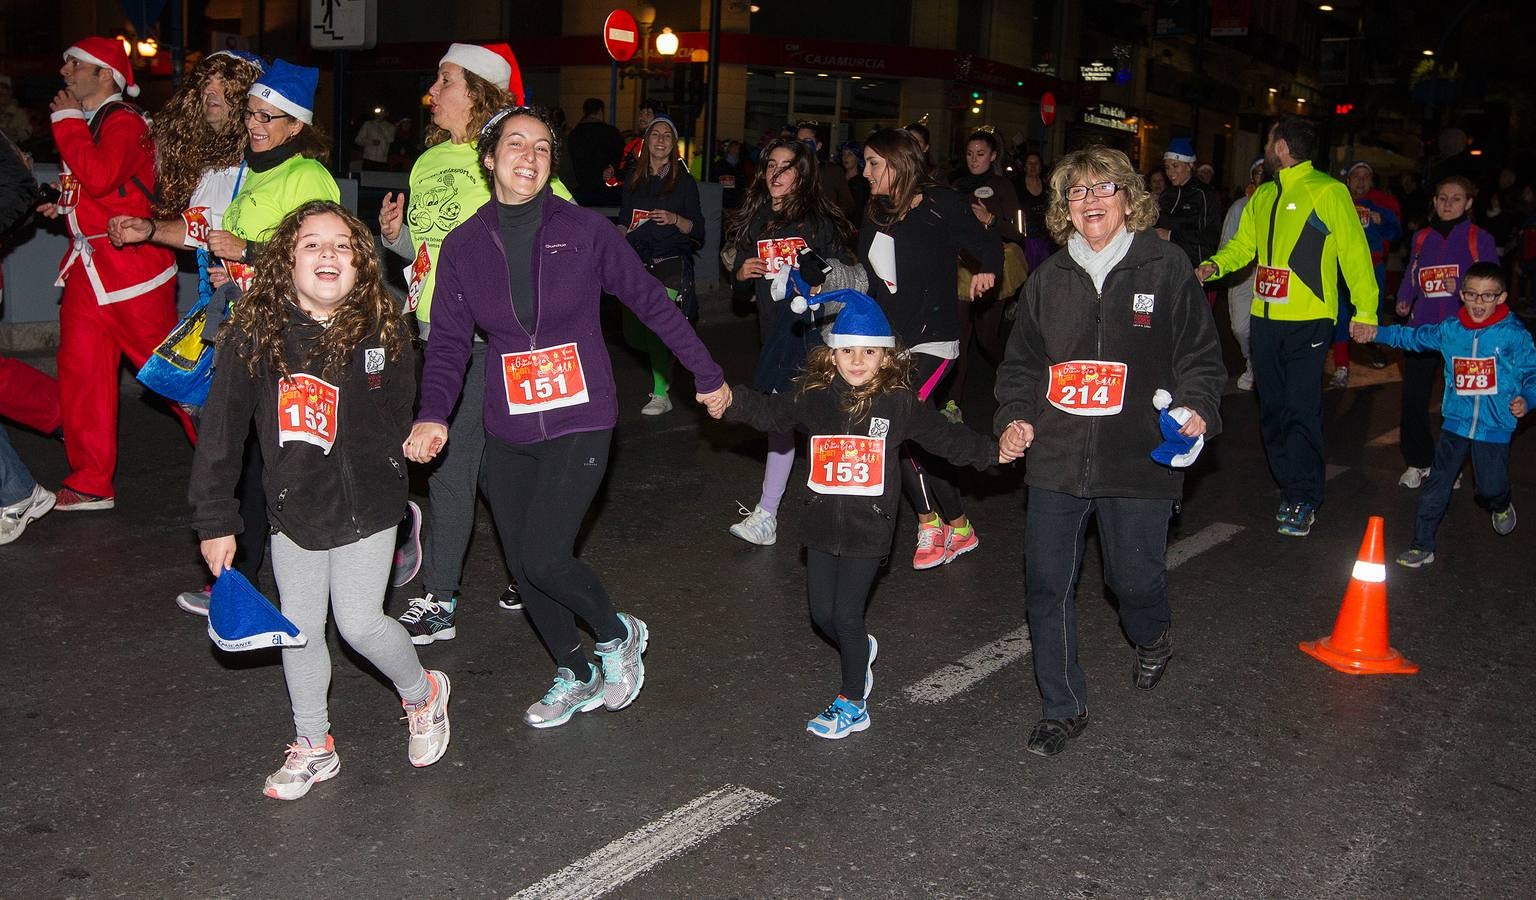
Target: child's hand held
x,y
1517,406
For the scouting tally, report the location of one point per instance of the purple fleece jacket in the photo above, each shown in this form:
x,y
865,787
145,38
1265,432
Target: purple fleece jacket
x,y
577,256
1434,250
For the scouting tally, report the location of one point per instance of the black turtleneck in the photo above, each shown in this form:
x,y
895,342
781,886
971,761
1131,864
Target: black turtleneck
x,y
270,159
1443,226
519,223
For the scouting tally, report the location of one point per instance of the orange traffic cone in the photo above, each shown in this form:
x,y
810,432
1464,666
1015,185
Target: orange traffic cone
x,y
1358,645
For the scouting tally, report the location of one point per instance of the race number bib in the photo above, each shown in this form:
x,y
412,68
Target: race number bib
x,y
1475,375
727,182
198,226
241,274
416,276
1088,387
1439,281
638,217
1364,213
541,380
1272,285
306,411
777,253
847,464
69,192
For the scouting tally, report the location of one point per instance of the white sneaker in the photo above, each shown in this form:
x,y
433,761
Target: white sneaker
x,y
658,404
759,527
303,767
14,518
1341,377
428,723
1245,380
1413,477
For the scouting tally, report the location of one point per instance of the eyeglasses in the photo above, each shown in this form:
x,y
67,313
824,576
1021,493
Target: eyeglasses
x,y
262,117
1103,189
1481,297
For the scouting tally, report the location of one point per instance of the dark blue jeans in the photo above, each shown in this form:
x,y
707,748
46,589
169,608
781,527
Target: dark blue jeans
x,y
16,482
1287,370
1490,472
1134,535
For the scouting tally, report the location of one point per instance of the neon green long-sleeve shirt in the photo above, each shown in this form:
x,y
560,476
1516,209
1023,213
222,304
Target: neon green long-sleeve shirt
x,y
1303,231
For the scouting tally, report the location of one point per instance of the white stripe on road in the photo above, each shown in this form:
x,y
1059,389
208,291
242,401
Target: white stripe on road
x,y
1013,646
1199,542
1386,439
635,853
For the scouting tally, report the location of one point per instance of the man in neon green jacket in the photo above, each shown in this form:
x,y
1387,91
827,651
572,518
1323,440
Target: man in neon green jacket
x,y
1304,232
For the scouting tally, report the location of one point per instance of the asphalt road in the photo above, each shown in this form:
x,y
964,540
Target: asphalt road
x,y
138,750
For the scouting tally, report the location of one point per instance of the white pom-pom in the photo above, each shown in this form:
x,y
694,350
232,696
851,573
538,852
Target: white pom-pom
x,y
799,305
133,90
1161,399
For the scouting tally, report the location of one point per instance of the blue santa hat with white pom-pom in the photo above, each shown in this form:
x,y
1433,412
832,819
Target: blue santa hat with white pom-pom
x,y
858,321
240,618
1176,450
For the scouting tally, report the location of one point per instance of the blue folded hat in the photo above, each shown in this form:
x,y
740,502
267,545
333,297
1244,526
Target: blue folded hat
x,y
240,618
859,321
1176,450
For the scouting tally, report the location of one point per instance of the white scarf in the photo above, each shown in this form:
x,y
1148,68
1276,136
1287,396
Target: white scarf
x,y
1099,264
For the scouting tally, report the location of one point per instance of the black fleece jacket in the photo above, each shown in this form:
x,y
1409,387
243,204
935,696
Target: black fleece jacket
x,y
1153,317
319,500
858,526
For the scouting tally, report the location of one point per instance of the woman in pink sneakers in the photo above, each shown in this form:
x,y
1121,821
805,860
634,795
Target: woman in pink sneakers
x,y
318,355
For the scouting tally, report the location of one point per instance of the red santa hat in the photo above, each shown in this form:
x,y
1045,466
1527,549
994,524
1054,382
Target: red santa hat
x,y
108,54
493,62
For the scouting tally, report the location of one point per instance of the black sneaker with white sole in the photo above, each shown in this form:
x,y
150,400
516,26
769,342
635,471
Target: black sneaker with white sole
x,y
510,598
428,619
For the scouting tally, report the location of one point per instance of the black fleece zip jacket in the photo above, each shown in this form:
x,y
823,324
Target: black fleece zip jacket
x,y
1153,317
857,526
319,500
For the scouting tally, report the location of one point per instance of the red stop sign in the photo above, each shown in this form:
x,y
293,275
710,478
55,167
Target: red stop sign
x,y
621,35
1047,108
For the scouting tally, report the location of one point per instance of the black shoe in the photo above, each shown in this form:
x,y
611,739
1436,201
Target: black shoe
x,y
510,598
1151,663
1050,736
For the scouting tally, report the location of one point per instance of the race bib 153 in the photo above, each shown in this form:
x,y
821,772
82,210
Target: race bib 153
x,y
1088,387
847,464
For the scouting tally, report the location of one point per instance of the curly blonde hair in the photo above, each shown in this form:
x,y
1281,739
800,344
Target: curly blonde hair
x,y
894,374
1091,165
259,325
185,145
485,99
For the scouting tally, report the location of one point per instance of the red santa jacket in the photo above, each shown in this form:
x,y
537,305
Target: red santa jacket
x,y
107,166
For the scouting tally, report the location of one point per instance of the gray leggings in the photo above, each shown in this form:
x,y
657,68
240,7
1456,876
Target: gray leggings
x,y
352,578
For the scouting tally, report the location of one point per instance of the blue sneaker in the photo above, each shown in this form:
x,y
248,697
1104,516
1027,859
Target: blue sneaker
x,y
1299,523
839,720
869,670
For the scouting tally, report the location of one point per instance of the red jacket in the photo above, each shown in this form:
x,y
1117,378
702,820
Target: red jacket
x,y
106,167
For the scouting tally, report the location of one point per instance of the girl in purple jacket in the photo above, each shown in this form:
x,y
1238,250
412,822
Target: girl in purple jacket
x,y
1440,255
529,270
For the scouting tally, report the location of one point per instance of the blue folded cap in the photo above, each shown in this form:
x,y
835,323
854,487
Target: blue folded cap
x,y
240,618
1176,450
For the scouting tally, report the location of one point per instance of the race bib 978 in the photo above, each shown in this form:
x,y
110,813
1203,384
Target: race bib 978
x,y
1475,375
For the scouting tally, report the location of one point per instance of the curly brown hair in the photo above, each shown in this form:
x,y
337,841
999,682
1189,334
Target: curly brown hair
x,y
1092,165
258,328
484,100
186,146
807,204
894,374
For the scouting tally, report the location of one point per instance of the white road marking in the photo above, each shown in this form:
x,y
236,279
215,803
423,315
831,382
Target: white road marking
x,y
1199,542
961,676
1386,439
635,853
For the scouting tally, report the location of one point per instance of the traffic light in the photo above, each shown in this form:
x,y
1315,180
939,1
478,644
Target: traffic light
x,y
1343,109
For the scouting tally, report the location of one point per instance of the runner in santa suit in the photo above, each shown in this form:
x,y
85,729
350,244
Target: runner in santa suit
x,y
446,188
117,301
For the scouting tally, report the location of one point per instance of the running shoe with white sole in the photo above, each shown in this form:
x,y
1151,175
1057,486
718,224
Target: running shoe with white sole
x,y
869,668
71,500
623,667
428,723
428,619
408,549
839,720
932,545
1415,558
14,518
760,526
511,598
195,602
303,768
957,544
658,404
1504,522
565,698
1413,477
1299,524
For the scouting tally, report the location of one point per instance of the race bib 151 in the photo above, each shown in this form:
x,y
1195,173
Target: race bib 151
x,y
544,379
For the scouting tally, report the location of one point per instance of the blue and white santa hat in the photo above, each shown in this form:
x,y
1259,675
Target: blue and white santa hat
x,y
290,88
240,618
1181,149
1177,450
859,321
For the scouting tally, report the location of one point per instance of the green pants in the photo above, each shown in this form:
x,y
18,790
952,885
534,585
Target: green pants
x,y
642,338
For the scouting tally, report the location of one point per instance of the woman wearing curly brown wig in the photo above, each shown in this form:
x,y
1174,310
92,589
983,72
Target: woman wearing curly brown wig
x,y
317,356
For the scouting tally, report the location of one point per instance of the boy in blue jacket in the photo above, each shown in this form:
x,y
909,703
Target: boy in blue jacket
x,y
1490,382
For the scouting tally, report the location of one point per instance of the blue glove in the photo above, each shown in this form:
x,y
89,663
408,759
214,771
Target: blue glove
x,y
1176,450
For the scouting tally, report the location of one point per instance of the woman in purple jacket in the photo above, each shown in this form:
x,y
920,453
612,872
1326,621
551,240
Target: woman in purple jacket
x,y
528,270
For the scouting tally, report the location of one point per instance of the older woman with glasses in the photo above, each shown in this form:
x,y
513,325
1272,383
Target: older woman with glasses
x,y
1105,323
